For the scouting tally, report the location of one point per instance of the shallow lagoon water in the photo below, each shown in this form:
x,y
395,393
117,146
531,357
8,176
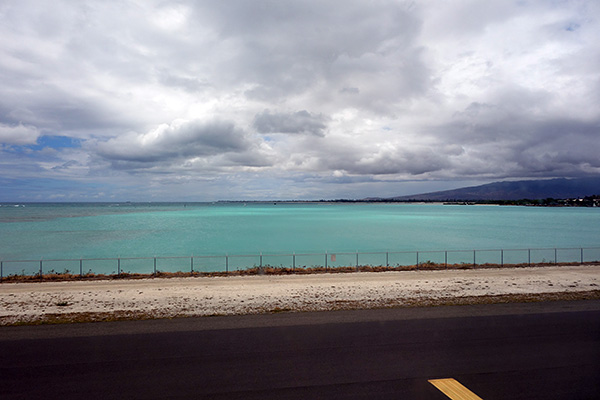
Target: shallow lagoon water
x,y
73,231
110,230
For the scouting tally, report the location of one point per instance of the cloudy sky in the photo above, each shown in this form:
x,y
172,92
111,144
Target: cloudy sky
x,y
234,99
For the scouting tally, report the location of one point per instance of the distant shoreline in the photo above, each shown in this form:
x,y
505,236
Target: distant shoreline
x,y
589,201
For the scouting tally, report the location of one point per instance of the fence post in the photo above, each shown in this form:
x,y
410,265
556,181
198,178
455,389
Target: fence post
x,y
357,255
1,271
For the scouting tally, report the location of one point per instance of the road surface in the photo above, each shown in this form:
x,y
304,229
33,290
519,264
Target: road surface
x,y
504,351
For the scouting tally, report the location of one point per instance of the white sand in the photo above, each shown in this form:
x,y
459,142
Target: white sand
x,y
200,296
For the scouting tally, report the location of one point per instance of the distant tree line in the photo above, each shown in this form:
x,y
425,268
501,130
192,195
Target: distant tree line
x,y
587,201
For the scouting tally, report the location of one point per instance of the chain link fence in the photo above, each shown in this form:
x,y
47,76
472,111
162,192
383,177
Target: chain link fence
x,y
296,261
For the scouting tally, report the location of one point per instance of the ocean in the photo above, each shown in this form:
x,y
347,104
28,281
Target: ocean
x,y
47,231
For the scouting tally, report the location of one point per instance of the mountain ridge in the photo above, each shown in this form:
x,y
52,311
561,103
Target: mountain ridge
x,y
558,188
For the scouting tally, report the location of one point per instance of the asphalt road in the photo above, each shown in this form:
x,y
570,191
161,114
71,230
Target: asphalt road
x,y
536,351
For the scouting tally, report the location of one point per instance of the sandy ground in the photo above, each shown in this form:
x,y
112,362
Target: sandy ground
x,y
203,296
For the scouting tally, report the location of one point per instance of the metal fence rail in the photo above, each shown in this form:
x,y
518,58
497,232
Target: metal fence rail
x,y
227,263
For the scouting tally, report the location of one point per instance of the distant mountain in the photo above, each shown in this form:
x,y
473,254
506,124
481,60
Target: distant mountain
x,y
536,189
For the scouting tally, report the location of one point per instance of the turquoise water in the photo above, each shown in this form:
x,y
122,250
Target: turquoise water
x,y
65,231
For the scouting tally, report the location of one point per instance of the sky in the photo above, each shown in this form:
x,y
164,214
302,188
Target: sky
x,y
160,100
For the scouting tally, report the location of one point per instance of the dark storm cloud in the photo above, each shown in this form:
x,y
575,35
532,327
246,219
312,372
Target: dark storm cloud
x,y
178,141
507,143
563,148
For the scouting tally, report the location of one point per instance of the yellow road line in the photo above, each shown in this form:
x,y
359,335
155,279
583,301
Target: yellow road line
x,y
453,389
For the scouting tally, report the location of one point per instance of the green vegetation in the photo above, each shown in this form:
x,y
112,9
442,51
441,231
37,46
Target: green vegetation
x,y
588,201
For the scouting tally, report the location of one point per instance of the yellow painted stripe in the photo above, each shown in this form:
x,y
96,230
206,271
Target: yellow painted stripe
x,y
453,389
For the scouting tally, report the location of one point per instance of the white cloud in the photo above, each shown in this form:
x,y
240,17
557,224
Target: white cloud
x,y
18,135
297,122
184,144
262,92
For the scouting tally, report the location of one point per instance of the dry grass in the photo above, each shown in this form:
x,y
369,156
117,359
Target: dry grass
x,y
269,270
70,318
